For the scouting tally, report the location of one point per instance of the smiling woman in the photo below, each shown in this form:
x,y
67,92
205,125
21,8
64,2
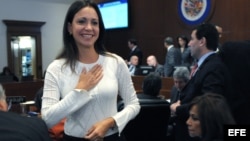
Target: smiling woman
x,y
81,85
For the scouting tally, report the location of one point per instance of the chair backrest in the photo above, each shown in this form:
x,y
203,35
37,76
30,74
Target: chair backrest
x,y
27,78
151,122
6,78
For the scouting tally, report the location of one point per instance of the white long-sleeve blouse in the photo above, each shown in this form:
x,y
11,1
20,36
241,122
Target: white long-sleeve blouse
x,y
84,108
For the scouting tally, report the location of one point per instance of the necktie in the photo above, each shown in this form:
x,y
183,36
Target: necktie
x,y
132,69
194,68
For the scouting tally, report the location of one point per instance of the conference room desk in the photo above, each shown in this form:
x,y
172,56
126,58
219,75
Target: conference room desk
x,y
24,88
29,88
167,84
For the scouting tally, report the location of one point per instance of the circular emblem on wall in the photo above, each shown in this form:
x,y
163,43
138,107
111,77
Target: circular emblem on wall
x,y
193,12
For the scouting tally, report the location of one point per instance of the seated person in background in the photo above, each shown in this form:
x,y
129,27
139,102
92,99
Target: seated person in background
x,y
158,68
151,87
207,115
15,127
181,78
7,72
56,132
150,123
133,66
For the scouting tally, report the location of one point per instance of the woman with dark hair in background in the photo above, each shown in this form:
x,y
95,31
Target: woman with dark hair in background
x,y
187,59
208,114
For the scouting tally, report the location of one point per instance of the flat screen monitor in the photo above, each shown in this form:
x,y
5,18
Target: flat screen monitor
x,y
115,14
145,70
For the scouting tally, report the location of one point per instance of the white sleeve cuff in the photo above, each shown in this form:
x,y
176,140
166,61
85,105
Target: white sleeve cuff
x,y
80,90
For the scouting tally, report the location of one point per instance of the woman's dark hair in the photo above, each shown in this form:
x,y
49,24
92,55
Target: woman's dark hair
x,y
214,113
152,84
70,50
183,37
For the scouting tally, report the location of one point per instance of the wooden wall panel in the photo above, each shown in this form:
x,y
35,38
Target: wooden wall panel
x,y
152,21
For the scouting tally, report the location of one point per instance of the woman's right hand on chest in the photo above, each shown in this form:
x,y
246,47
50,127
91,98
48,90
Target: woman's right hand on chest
x,y
89,79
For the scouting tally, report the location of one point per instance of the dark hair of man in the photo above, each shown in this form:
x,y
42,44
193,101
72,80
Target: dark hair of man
x,y
169,40
133,41
183,37
209,32
213,112
152,84
70,50
6,70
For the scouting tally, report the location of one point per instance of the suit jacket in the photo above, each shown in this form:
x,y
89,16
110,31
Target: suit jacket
x,y
174,95
187,59
173,58
137,51
212,76
14,127
159,69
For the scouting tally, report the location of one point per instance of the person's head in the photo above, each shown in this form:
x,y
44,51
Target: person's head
x,y
134,60
168,41
207,115
220,30
181,76
204,39
152,84
152,61
3,103
132,43
6,71
83,26
182,41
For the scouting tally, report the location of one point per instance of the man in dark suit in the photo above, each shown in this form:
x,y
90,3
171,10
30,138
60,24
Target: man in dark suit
x,y
135,50
211,75
133,66
14,127
173,57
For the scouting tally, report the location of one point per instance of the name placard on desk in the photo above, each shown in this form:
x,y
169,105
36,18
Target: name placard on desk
x,y
16,99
